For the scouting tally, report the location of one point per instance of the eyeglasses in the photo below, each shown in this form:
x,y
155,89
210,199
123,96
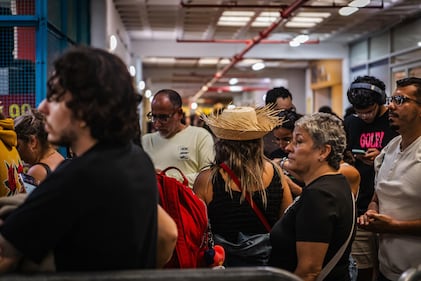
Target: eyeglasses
x,y
368,114
159,117
399,100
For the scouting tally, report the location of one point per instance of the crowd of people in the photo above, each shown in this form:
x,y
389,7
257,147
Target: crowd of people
x,y
321,195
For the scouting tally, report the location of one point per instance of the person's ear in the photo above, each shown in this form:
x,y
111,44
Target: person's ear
x,y
33,142
325,151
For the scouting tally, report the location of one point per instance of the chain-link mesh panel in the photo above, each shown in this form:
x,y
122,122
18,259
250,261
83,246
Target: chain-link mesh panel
x,y
17,69
18,7
17,61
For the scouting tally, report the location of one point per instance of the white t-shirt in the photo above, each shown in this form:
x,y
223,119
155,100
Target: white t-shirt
x,y
398,187
190,150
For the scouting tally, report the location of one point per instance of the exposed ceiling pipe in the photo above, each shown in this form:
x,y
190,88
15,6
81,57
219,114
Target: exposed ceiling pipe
x,y
227,89
244,41
234,4
253,42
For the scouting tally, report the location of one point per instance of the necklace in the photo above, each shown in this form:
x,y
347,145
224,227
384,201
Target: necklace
x,y
49,154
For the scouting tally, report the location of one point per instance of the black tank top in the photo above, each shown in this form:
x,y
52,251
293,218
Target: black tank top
x,y
228,217
46,167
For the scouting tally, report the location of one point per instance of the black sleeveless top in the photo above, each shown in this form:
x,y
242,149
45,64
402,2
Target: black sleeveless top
x,y
46,167
228,217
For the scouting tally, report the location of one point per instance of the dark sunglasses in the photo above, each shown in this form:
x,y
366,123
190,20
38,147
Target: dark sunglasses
x,y
399,100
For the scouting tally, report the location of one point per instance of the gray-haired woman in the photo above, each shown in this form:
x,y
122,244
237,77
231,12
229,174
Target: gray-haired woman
x,y
315,227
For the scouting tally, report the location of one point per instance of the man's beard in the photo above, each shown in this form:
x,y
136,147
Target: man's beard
x,y
64,140
394,127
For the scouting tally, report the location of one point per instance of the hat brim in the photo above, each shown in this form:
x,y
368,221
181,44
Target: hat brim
x,y
228,134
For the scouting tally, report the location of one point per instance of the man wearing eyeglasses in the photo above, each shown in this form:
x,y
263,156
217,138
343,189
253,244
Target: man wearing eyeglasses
x,y
367,131
173,143
395,210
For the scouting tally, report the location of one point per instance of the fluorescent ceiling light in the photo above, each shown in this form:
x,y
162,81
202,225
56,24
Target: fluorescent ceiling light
x,y
313,14
302,38
208,61
159,60
260,24
141,85
230,23
359,3
267,17
233,18
224,61
270,14
307,19
248,62
148,93
346,11
113,42
419,44
243,19
132,70
294,43
260,19
300,24
233,81
258,66
238,13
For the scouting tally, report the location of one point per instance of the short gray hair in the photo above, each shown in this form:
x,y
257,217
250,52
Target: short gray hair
x,y
325,128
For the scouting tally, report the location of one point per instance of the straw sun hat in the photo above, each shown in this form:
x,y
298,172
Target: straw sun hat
x,y
243,123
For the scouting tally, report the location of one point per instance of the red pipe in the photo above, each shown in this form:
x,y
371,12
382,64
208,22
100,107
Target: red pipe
x,y
246,89
256,40
281,6
245,41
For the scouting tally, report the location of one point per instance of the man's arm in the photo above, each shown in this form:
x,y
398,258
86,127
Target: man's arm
x,y
380,223
9,256
386,224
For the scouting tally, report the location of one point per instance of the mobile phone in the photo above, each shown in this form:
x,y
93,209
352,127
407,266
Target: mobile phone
x,y
358,151
29,183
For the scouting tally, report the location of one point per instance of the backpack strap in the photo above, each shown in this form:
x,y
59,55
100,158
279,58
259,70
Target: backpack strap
x,y
259,213
46,167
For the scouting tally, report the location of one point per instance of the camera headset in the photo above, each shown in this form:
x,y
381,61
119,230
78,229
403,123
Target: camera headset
x,y
380,95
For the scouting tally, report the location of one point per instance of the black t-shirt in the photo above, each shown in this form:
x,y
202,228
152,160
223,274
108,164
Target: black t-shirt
x,y
361,135
95,212
323,213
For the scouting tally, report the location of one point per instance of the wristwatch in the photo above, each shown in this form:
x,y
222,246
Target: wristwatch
x,y
282,165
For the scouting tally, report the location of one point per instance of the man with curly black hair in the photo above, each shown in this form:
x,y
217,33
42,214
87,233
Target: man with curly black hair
x,y
368,130
99,210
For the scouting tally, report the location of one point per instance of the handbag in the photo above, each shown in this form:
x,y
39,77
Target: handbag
x,y
250,249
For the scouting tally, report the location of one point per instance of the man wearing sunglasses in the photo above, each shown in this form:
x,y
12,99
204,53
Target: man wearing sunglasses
x,y
173,143
395,210
367,130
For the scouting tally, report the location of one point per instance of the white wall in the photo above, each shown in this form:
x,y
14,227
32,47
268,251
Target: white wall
x,y
105,22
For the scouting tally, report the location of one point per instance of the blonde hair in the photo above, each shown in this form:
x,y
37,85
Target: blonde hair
x,y
245,159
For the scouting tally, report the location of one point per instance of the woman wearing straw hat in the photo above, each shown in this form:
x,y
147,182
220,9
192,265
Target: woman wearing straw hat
x,y
319,226
241,171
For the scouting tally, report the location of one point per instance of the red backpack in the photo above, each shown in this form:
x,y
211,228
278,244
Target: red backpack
x,y
190,214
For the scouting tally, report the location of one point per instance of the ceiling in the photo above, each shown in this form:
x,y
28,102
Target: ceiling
x,y
192,22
